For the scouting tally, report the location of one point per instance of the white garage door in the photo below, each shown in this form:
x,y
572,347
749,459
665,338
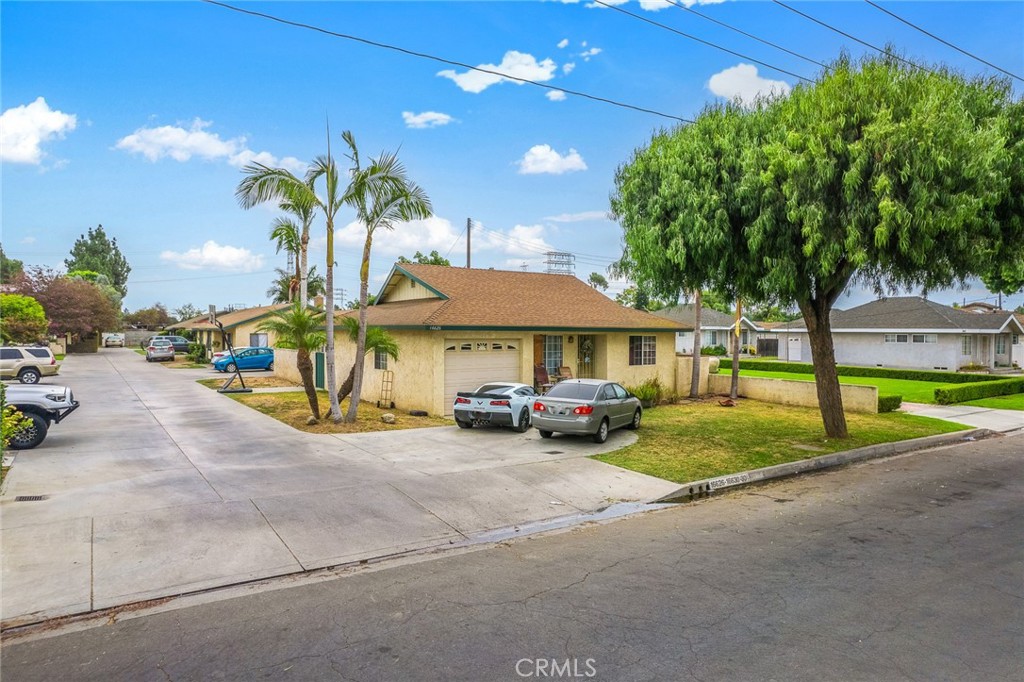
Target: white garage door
x,y
468,364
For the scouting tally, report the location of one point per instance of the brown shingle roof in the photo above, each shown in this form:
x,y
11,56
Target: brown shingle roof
x,y
507,299
231,319
913,312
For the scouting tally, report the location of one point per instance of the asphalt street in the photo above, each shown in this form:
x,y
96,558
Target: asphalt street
x,y
906,568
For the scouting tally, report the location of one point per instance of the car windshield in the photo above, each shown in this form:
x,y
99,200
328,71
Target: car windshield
x,y
571,389
493,388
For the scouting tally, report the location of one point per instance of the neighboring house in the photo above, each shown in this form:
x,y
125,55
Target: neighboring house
x,y
240,325
458,328
916,333
716,328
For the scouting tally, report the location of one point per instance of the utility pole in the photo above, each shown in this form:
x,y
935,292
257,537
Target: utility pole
x,y
469,239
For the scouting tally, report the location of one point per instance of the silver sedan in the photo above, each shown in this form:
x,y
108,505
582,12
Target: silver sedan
x,y
586,407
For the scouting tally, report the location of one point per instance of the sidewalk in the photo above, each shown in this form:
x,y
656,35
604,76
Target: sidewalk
x,y
158,486
979,417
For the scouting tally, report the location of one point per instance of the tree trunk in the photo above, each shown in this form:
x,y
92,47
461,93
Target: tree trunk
x,y
332,381
734,384
346,386
357,378
695,375
305,367
304,266
830,399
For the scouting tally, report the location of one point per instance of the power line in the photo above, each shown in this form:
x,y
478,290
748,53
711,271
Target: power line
x,y
701,40
944,42
854,38
744,33
442,60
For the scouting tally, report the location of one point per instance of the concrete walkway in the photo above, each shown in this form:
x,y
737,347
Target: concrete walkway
x,y
158,486
978,417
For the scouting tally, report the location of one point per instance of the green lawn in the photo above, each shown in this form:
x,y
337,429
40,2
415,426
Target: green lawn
x,y
693,441
1001,402
912,391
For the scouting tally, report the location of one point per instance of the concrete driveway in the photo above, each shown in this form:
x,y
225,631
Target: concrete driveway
x,y
158,486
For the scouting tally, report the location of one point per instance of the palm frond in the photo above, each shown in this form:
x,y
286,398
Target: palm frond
x,y
263,183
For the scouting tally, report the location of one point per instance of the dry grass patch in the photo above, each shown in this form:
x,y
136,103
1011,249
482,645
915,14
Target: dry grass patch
x,y
253,381
698,440
292,408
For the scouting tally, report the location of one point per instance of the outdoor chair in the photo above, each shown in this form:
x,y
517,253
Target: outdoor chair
x,y
564,373
541,379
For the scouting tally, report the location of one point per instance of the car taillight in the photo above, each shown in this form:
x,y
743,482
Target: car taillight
x,y
539,407
53,360
150,347
500,403
584,409
462,401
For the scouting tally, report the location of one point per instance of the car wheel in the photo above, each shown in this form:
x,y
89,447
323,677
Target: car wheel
x,y
464,425
524,421
30,436
230,367
635,424
29,376
270,367
544,434
602,432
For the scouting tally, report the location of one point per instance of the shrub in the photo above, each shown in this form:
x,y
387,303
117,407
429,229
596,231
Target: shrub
x,y
713,350
749,350
196,352
881,372
649,392
889,403
975,391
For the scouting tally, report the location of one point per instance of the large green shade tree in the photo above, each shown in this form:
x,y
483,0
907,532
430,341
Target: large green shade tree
x,y
881,174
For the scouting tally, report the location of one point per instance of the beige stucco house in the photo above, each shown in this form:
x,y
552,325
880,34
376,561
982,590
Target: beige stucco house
x,y
242,327
458,328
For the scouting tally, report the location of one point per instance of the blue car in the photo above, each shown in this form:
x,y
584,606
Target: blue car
x,y
250,358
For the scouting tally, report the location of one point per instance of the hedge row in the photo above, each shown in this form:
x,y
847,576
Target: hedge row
x,y
889,403
882,372
962,394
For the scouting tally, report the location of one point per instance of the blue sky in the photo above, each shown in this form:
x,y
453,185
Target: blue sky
x,y
139,116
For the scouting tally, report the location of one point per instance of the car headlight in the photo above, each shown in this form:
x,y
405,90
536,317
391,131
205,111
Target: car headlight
x,y
56,397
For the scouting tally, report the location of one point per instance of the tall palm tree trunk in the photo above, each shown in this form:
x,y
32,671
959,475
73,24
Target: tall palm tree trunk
x,y
332,381
357,376
305,366
304,267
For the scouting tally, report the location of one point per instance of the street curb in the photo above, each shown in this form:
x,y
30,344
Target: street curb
x,y
707,486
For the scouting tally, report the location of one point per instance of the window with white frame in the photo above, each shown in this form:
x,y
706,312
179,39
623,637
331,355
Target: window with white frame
x,y
380,359
1016,339
966,345
642,350
552,353
1000,345
896,338
925,338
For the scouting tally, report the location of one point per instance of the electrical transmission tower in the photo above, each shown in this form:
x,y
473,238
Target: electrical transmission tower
x,y
560,263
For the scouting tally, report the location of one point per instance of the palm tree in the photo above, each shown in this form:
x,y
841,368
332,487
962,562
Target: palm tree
x,y
280,290
299,327
377,339
285,233
303,207
381,195
262,183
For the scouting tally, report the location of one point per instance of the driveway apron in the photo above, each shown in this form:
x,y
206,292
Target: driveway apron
x,y
159,486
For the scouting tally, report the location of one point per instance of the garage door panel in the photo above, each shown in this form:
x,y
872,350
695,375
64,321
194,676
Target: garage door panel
x,y
468,364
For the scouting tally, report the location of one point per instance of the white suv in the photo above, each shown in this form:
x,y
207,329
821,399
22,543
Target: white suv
x,y
27,364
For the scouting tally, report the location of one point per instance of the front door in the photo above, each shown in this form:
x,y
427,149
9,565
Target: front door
x,y
794,349
585,356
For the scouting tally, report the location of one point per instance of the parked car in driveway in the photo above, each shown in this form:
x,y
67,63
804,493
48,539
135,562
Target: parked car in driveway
x,y
224,353
159,350
586,407
259,357
180,343
497,403
42,405
27,364
113,339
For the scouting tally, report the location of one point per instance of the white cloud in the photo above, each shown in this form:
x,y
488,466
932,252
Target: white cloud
x,y
24,129
741,82
578,217
592,52
568,67
555,95
594,5
563,43
514,63
28,240
658,5
213,256
427,119
543,159
182,144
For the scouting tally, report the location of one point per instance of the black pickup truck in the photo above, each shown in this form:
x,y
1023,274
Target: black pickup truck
x,y
42,404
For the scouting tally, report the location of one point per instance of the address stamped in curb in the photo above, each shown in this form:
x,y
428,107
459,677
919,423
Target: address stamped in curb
x,y
727,481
